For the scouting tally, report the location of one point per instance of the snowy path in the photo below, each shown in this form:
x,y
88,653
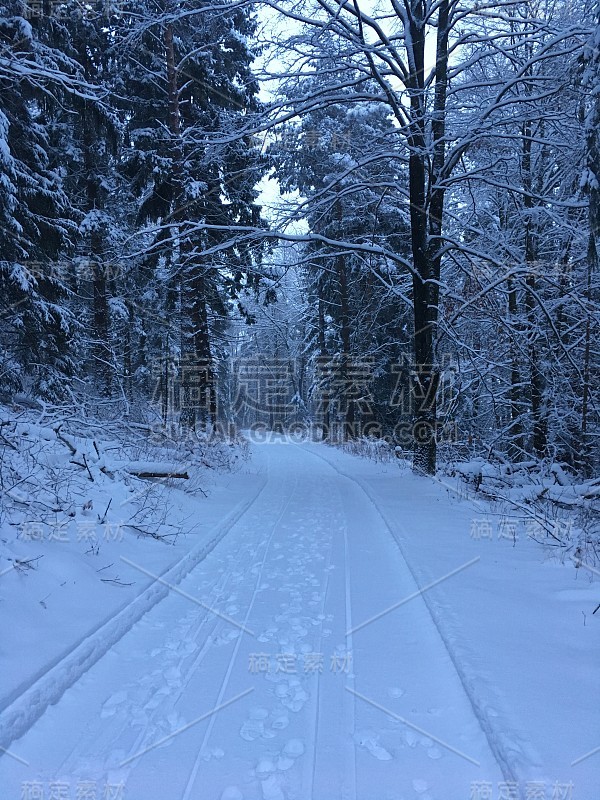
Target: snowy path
x,y
298,687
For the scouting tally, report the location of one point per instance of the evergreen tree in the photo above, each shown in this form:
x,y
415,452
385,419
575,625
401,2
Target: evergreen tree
x,y
360,321
37,229
194,172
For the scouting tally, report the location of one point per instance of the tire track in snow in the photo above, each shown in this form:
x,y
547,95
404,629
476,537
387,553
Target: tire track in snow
x,y
512,754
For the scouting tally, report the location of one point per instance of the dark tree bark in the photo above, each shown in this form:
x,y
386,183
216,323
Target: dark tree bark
x,y
426,191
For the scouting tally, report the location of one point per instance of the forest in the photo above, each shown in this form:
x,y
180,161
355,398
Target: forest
x,y
361,221
299,399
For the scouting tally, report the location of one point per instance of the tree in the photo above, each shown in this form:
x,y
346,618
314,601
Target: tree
x,y
188,70
37,228
440,114
591,182
357,315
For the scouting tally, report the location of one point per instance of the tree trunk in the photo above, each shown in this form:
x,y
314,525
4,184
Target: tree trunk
x,y
539,439
426,215
100,307
516,443
324,357
348,431
197,390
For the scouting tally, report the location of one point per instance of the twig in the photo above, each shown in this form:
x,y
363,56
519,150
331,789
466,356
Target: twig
x,y
69,444
88,469
159,537
103,520
27,564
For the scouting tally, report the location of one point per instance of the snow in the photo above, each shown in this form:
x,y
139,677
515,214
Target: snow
x,y
334,629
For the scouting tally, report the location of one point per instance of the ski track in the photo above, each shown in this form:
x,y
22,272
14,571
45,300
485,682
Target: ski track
x,y
300,558
188,634
20,712
513,754
349,699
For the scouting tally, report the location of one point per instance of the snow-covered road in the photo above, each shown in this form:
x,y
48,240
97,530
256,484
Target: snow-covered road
x,y
298,660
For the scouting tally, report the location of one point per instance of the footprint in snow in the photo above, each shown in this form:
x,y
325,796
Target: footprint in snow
x,y
420,786
157,698
280,722
213,752
186,648
410,737
110,706
395,691
264,768
296,702
370,742
252,729
231,793
138,718
173,677
225,637
294,748
271,789
171,724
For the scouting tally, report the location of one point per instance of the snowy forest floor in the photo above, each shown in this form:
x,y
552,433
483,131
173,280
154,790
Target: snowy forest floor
x,y
326,628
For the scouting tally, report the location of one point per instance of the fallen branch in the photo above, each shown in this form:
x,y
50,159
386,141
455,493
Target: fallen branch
x,y
65,441
160,537
156,474
152,469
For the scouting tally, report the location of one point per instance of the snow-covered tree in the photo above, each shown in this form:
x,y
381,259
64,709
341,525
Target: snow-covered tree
x,y
37,229
185,71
